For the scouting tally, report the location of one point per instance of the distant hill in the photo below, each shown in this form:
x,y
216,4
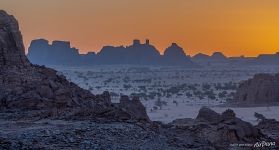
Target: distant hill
x,y
267,59
61,53
58,53
175,55
218,58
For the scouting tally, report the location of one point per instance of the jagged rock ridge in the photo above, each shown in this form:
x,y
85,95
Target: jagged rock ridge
x,y
28,91
24,86
42,53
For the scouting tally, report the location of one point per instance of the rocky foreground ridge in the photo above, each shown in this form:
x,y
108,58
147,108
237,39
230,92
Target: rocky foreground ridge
x,y
40,109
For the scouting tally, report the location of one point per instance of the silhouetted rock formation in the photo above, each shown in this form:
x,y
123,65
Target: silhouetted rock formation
x,y
216,58
136,54
24,86
134,107
11,45
219,58
40,109
175,56
60,53
262,89
201,56
267,59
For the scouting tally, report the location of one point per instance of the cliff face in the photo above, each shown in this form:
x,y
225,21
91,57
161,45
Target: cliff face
x,y
26,86
11,45
262,89
58,53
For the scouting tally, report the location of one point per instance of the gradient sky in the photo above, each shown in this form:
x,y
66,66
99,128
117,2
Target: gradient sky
x,y
235,27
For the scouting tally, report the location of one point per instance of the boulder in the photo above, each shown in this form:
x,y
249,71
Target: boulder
x,y
206,114
133,107
220,130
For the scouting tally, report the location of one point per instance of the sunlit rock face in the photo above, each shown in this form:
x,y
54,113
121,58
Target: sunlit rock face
x,y
262,89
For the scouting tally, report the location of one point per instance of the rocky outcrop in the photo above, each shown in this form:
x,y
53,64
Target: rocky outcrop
x,y
11,45
201,56
218,56
28,87
175,56
229,127
40,109
220,130
134,107
60,53
270,128
135,54
262,89
266,59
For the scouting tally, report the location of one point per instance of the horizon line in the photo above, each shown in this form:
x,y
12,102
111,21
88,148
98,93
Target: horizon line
x,y
50,42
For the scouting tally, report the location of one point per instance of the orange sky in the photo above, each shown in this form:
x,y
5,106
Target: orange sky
x,y
235,27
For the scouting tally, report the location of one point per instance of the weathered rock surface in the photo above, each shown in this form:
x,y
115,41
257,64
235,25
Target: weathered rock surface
x,y
11,45
270,128
24,86
221,130
134,107
262,89
40,109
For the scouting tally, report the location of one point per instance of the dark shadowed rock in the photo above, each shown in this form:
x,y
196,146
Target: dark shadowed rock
x,y
266,59
135,54
201,56
24,86
270,128
262,89
220,129
218,56
134,107
228,114
206,114
61,53
40,109
175,56
58,53
11,45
